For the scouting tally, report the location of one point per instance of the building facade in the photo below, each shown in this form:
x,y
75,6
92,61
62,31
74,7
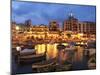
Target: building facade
x,y
87,27
53,26
39,28
70,24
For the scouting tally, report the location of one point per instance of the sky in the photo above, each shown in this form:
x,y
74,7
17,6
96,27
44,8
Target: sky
x,y
43,13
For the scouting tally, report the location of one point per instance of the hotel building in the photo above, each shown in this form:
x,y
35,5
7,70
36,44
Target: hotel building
x,y
87,27
70,24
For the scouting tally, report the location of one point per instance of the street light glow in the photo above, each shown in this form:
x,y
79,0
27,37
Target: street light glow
x,y
17,27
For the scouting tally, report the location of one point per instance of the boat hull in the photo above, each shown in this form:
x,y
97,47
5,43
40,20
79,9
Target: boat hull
x,y
31,58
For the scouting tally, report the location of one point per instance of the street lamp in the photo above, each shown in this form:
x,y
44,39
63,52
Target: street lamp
x,y
18,48
17,27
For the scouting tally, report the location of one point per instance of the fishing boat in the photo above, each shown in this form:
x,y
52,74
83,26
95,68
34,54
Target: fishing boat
x,y
29,55
50,66
44,66
27,51
23,50
31,58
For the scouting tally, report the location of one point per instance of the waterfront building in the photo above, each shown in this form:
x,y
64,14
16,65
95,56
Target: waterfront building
x,y
53,26
87,27
70,24
40,28
72,29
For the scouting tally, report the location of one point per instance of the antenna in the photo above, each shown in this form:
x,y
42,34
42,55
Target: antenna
x,y
71,14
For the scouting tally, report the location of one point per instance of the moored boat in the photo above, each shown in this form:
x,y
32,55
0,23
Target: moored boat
x,y
44,66
31,58
50,66
29,55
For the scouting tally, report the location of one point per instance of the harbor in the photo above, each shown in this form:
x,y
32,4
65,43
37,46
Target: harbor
x,y
67,59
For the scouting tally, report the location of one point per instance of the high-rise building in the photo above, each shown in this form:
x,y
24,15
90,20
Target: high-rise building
x,y
53,26
82,27
70,24
87,27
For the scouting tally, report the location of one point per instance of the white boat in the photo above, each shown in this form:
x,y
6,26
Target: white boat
x,y
27,51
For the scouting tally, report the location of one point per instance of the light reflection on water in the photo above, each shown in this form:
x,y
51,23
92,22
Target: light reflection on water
x,y
79,53
52,50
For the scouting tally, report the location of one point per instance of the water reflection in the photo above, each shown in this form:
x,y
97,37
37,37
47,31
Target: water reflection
x,y
52,51
79,53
